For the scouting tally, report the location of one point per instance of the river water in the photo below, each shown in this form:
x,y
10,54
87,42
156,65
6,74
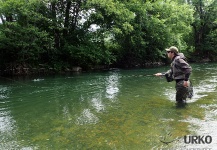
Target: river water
x,y
118,109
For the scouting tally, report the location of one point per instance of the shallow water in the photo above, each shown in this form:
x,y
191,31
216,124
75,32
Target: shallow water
x,y
119,109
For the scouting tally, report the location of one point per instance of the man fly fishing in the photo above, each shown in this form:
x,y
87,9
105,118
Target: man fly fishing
x,y
180,72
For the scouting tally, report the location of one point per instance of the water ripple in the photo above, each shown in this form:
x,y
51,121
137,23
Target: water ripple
x,y
201,90
112,87
97,104
4,93
87,117
204,127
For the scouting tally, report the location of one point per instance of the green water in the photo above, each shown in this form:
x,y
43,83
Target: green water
x,y
120,109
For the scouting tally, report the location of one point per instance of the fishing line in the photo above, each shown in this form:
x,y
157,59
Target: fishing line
x,y
122,76
148,75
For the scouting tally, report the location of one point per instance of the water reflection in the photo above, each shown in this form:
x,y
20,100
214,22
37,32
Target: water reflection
x,y
204,87
112,83
4,92
98,104
7,130
6,122
87,117
66,112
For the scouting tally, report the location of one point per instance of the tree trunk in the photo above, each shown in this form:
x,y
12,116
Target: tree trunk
x,y
67,15
56,31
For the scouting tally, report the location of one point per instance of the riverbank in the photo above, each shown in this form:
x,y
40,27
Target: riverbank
x,y
43,69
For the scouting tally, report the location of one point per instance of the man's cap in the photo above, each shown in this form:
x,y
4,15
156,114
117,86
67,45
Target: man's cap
x,y
173,49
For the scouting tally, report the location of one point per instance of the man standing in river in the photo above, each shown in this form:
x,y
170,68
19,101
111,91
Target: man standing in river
x,y
180,72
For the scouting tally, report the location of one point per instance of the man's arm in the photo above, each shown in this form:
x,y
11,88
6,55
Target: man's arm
x,y
163,73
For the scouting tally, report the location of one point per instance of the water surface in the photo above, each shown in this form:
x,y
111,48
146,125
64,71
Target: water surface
x,y
119,109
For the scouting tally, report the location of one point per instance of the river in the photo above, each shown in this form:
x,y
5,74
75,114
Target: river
x,y
117,109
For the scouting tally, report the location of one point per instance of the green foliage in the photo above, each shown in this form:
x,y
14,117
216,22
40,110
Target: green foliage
x,y
157,25
21,42
30,45
211,44
62,34
170,23
204,26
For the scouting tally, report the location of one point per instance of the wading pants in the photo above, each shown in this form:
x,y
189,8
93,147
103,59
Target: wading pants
x,y
181,91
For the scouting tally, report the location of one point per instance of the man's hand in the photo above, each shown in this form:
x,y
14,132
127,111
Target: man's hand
x,y
185,84
158,74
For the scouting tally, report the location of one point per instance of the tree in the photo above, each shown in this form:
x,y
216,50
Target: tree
x,y
21,42
204,26
157,25
112,19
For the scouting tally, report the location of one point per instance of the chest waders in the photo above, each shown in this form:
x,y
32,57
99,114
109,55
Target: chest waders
x,y
182,92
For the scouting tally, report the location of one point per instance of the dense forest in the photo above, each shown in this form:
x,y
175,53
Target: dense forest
x,y
60,35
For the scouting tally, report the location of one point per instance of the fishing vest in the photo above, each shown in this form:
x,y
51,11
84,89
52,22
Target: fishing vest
x,y
177,71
